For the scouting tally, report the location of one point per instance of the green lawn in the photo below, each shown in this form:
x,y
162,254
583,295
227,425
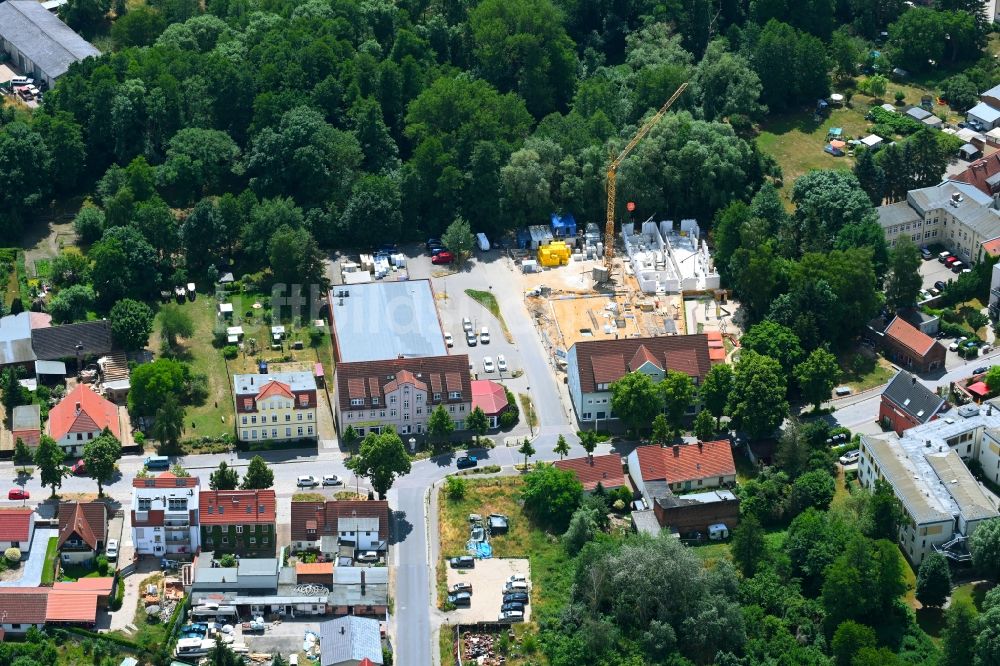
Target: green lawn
x,y
149,631
489,301
711,551
862,370
51,554
72,572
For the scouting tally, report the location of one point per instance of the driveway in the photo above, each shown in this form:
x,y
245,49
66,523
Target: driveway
x,y
933,270
32,576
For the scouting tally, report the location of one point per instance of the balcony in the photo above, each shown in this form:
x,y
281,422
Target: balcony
x,y
179,539
176,522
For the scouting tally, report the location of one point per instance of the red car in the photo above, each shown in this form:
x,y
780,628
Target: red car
x,y
18,494
950,260
78,467
442,258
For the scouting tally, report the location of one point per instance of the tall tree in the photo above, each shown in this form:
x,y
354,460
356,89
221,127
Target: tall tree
x,y
477,423
636,400
295,257
933,580
776,341
562,447
957,646
850,638
816,376
527,450
678,392
14,395
174,323
551,495
588,440
440,425
101,458
168,423
224,478
131,323
714,391
49,458
903,281
258,476
382,459
748,546
22,454
757,402
870,176
661,431
458,239
704,426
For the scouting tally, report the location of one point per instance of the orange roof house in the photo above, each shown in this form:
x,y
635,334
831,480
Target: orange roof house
x,y
909,346
81,416
490,397
683,467
16,526
605,470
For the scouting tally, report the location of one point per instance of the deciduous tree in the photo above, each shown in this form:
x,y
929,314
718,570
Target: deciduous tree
x,y
131,324
258,476
440,425
168,423
636,400
748,546
816,376
458,239
562,447
957,646
527,450
904,281
22,454
714,391
174,323
678,392
933,580
551,495
382,459
984,544
477,423
224,478
49,458
101,458
757,402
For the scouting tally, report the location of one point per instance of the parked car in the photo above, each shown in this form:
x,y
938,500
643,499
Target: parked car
x,y
464,462
471,339
18,494
957,267
926,254
368,556
516,586
466,324
484,336
332,480
448,340
463,562
515,597
306,482
850,457
940,284
461,587
488,364
437,249
501,363
79,468
953,346
460,599
944,256
934,291
443,257
431,242
111,550
980,370
512,607
517,578
511,616
386,248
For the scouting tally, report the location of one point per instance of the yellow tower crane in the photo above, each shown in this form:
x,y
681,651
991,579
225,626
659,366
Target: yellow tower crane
x,y
609,229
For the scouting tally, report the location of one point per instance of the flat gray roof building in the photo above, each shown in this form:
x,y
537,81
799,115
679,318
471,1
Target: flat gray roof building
x,y
383,320
39,43
348,640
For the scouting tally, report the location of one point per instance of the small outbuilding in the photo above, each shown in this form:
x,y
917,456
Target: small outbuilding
x,y
872,141
226,310
969,152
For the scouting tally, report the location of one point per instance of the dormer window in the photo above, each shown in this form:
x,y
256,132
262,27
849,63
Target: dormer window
x,y
247,403
357,402
374,400
454,395
304,400
437,397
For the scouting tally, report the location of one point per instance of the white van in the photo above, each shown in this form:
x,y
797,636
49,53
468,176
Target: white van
x,y
516,586
718,532
482,242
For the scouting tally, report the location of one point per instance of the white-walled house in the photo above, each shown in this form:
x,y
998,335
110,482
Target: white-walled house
x,y
324,526
80,417
165,519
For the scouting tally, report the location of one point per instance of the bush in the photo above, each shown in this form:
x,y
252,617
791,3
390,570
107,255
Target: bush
x,y
900,97
455,488
12,555
119,598
230,351
315,337
102,565
227,561
976,320
508,420
952,330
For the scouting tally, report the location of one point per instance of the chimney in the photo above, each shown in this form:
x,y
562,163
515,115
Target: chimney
x,y
701,445
343,630
677,451
77,408
362,582
913,380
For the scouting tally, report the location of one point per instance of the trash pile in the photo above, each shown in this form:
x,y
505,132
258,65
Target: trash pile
x,y
155,605
479,649
479,538
310,644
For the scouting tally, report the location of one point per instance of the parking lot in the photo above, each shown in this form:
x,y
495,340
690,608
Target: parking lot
x,y
933,271
488,579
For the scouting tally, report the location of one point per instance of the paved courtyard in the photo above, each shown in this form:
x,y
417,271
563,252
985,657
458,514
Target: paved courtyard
x,y
488,579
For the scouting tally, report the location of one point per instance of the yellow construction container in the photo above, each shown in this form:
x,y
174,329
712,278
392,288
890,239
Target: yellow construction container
x,y
556,253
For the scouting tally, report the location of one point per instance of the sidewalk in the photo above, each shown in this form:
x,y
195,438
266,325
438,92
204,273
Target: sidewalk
x,y
32,567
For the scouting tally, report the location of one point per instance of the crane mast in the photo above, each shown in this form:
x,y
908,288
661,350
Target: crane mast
x,y
609,229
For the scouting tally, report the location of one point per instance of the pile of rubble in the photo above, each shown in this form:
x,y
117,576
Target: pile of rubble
x,y
479,649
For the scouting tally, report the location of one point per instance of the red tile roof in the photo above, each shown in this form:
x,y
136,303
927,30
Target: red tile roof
x,y
643,356
165,480
15,525
603,361
488,396
274,387
23,605
367,379
327,514
86,520
237,507
979,172
606,470
101,586
313,568
910,337
992,247
81,411
688,462
71,607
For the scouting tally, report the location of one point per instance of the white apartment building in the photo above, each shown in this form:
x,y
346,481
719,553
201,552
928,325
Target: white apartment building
x,y
165,520
926,468
954,214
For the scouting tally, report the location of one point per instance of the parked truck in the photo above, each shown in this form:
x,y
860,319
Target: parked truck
x,y
482,242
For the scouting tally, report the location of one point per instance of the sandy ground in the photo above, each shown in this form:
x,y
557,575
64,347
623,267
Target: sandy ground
x,y
488,579
123,619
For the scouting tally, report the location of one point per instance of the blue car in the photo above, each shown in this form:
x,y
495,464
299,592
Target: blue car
x,y
466,461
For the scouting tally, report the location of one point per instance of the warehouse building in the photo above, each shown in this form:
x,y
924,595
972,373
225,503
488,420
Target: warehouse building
x,y
38,43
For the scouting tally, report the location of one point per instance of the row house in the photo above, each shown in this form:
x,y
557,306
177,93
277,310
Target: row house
x,y
401,393
325,526
165,516
239,521
279,406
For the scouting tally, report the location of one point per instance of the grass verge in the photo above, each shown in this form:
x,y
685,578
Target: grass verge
x,y
551,567
528,409
489,301
49,567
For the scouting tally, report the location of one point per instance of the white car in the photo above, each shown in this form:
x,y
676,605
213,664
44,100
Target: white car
x,y
368,556
332,480
484,336
306,482
111,550
488,364
511,616
448,340
850,457
501,363
466,324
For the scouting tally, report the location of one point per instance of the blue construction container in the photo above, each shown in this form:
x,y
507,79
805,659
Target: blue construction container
x,y
563,226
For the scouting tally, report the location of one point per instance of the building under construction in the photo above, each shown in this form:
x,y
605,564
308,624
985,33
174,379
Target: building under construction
x,y
668,260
